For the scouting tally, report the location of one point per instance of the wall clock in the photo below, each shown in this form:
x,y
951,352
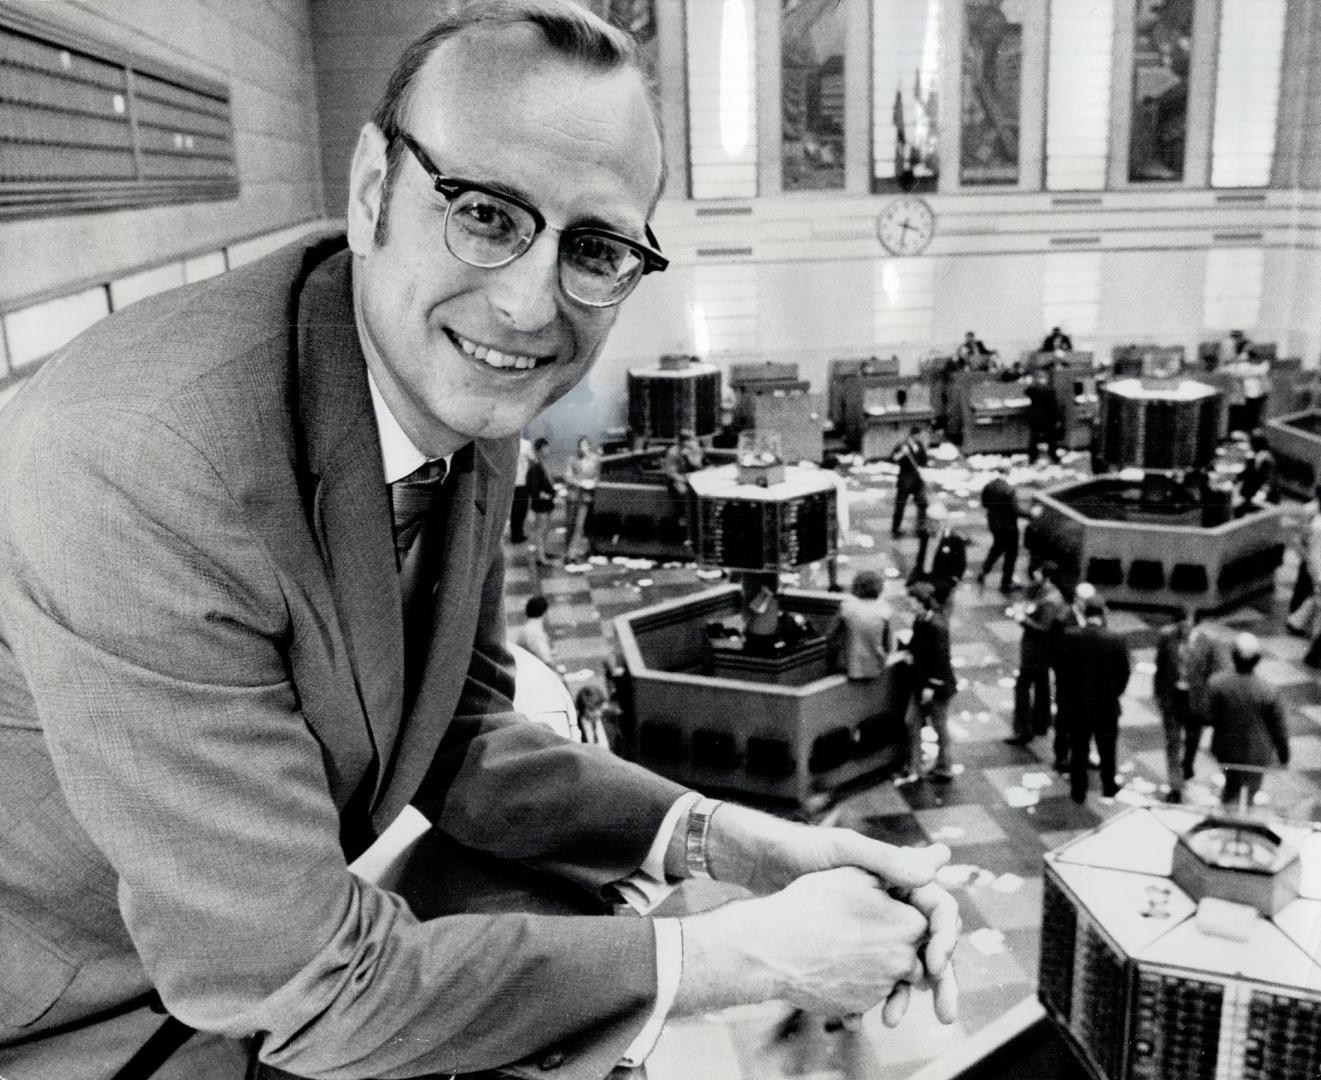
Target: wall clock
x,y
906,225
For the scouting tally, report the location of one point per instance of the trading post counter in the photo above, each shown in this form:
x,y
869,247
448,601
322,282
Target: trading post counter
x,y
1142,545
1176,944
774,725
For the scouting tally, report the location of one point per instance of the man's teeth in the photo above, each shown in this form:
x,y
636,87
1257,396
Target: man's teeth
x,y
495,357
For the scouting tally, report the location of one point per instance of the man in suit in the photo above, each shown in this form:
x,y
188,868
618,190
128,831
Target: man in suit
x,y
1186,658
1248,721
911,457
251,610
933,682
973,353
1043,415
1032,698
942,553
1094,670
1056,341
1001,503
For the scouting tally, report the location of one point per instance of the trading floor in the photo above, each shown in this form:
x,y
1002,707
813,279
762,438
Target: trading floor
x,y
1003,810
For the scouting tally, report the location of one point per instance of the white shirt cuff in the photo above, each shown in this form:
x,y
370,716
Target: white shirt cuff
x,y
646,887
669,969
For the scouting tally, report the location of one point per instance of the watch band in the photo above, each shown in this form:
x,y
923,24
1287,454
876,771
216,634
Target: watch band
x,y
695,838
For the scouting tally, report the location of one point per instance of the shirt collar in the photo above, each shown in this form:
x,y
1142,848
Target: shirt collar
x,y
399,456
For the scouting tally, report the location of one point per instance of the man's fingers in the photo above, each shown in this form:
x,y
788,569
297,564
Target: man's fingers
x,y
896,1005
902,867
942,913
945,996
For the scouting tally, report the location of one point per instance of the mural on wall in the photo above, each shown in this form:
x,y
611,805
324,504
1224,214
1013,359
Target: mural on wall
x,y
812,94
992,81
638,17
1161,48
906,126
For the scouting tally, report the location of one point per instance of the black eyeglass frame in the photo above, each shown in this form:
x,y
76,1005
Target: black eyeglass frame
x,y
452,187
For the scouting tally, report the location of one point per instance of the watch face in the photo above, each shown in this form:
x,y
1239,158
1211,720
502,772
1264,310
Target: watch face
x,y
906,225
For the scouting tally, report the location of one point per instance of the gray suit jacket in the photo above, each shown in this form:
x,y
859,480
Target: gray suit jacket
x,y
201,659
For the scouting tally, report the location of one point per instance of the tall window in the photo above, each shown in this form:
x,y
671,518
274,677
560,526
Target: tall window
x,y
906,95
1247,92
812,94
1078,94
722,102
990,92
1162,53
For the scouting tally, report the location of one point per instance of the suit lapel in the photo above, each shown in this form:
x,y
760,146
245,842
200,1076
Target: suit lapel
x,y
351,508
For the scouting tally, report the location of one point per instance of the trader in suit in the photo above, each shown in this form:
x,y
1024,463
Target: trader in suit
x,y
911,457
1248,721
942,553
1001,503
1037,615
933,682
1186,658
1094,666
1043,415
1057,341
251,610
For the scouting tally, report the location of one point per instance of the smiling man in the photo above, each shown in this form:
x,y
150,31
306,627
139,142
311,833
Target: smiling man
x,y
251,615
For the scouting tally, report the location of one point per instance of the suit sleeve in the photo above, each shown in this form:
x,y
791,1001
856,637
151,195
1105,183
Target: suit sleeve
x,y
1278,725
1164,679
151,629
516,790
1122,669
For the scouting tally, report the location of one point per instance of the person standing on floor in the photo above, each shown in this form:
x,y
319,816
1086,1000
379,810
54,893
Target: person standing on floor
x,y
1248,721
1186,658
541,496
942,553
911,457
1032,700
1094,669
933,682
858,641
1307,543
581,478
1067,618
1043,415
518,512
1001,503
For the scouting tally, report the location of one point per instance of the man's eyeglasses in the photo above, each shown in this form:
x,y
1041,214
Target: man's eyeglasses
x,y
488,229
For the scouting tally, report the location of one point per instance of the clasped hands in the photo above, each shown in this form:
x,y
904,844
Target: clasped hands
x,y
839,923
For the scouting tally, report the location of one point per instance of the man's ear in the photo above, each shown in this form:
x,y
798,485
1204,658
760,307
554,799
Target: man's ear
x,y
366,188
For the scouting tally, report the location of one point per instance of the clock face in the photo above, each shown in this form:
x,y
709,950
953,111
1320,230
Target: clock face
x,y
906,225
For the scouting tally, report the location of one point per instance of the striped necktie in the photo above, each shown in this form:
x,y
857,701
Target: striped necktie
x,y
410,500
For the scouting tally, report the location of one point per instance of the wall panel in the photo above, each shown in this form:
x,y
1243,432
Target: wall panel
x,y
267,62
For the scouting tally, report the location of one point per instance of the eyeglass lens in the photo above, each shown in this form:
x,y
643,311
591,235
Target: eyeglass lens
x,y
485,230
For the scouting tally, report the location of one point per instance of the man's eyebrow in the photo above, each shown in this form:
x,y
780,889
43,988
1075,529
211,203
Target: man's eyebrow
x,y
590,221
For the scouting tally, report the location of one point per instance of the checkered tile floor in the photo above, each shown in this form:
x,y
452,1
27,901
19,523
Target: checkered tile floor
x,y
1003,810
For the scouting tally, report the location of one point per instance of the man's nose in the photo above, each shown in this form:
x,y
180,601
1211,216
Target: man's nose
x,y
525,293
